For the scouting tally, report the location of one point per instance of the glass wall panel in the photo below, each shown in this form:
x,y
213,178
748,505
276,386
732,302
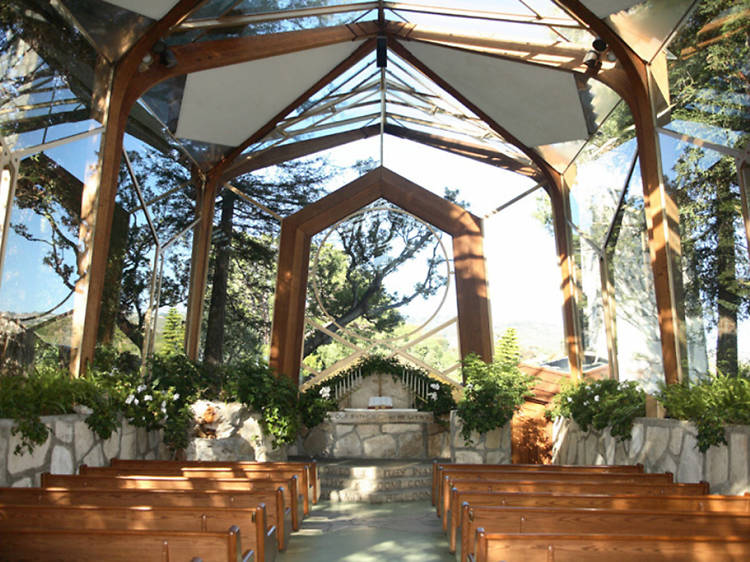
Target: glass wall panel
x,y
714,252
638,339
40,268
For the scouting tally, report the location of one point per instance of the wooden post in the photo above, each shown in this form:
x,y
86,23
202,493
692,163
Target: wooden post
x,y
204,210
559,198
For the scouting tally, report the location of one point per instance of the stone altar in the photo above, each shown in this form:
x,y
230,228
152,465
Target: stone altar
x,y
377,434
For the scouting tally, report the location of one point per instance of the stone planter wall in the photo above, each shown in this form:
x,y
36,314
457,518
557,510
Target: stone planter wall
x,y
375,434
70,444
661,445
493,447
235,434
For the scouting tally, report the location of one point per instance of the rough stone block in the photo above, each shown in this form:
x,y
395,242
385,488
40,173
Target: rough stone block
x,y
25,482
498,456
111,446
343,429
717,464
94,457
350,446
411,445
4,452
739,469
591,445
636,440
464,456
675,439
226,449
128,446
667,464
84,440
657,440
141,438
438,446
153,440
26,461
621,455
62,461
380,446
690,468
64,430
319,441
609,448
368,430
580,457
401,428
493,438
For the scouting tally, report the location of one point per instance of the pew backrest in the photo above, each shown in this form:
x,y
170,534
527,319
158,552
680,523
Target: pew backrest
x,y
250,521
594,548
46,545
438,468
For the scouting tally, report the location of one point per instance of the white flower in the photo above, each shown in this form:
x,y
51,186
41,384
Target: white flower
x,y
432,395
141,388
148,397
163,404
135,401
469,386
435,385
596,398
163,410
129,399
325,392
176,396
570,399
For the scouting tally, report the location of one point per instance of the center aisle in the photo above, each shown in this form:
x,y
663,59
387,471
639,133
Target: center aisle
x,y
363,532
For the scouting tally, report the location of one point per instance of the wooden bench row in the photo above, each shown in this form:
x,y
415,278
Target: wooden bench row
x,y
497,513
198,516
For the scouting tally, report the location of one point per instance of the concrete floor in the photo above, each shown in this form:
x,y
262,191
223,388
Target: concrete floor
x,y
360,532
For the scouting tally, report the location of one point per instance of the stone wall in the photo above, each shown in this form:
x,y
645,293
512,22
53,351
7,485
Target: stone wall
x,y
661,445
493,447
70,444
376,434
229,431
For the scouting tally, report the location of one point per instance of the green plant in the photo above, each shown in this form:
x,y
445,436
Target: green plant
x,y
710,404
314,404
275,398
600,404
494,391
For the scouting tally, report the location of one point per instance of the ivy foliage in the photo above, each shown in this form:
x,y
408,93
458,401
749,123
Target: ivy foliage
x,y
494,391
439,399
711,404
600,404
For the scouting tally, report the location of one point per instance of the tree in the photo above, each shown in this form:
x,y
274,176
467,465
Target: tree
x,y
173,336
710,85
353,276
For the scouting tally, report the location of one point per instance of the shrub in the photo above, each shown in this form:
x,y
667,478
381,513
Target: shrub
x,y
600,404
710,404
494,391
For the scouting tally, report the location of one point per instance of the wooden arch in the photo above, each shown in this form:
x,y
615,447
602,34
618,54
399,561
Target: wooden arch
x,y
297,230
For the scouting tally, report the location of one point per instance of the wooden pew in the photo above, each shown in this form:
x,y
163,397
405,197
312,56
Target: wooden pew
x,y
704,504
278,515
251,473
75,545
288,485
497,475
575,487
568,521
311,467
438,467
493,547
251,521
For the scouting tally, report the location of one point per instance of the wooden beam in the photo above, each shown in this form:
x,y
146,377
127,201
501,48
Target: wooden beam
x,y
662,217
100,188
204,210
475,326
476,152
286,152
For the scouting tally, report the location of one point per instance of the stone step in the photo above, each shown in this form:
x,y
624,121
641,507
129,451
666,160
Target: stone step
x,y
373,484
393,471
385,496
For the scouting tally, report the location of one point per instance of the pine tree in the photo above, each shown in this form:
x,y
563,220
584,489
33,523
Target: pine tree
x,y
174,333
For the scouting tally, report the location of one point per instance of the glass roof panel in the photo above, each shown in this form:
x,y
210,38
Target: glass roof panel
x,y
112,28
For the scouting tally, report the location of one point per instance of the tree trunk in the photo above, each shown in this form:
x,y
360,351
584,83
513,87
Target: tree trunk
x,y
217,309
728,301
